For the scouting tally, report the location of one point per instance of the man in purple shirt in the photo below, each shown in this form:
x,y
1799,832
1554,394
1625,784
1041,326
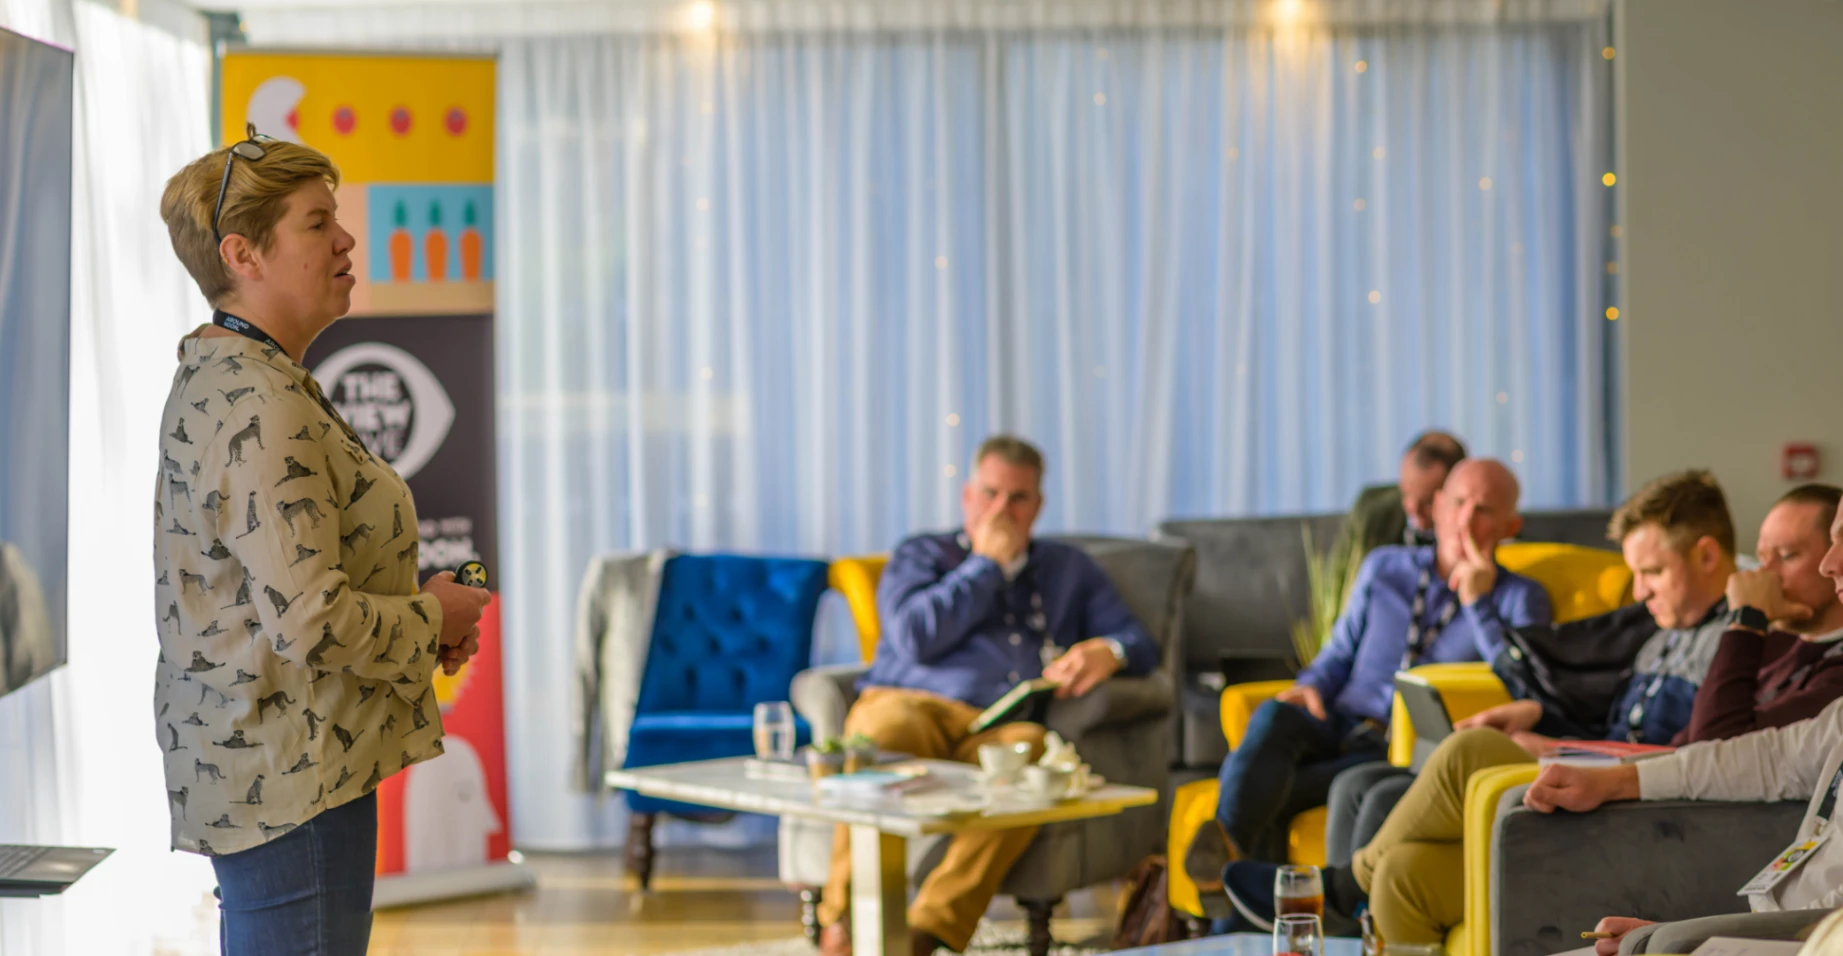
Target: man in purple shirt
x,y
965,617
1407,606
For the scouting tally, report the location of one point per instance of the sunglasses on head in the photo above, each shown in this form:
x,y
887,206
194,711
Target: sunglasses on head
x,y
250,149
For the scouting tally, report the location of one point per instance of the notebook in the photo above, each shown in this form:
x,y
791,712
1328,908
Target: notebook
x,y
1603,753
1027,702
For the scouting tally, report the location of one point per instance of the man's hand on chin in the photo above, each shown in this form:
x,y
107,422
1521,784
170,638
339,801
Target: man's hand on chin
x,y
1083,667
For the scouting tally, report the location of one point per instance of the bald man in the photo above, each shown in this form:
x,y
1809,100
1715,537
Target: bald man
x,y
1448,601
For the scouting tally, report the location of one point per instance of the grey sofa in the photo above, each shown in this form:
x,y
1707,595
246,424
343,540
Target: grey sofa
x,y
1110,727
1251,585
1555,875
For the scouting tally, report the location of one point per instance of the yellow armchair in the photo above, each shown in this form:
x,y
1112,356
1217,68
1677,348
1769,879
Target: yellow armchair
x,y
1193,805
1581,582
1465,689
856,579
1482,793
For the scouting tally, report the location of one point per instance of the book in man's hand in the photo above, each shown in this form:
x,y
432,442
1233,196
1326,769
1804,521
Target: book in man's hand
x,y
1027,702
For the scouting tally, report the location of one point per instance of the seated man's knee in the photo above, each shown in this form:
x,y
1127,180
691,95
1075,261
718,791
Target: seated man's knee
x,y
1274,717
889,721
1468,751
1418,891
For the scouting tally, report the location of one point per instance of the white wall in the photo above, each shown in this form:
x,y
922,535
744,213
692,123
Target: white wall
x,y
1731,185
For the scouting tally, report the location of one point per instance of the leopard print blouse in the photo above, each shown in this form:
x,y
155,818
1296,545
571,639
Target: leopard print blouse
x,y
296,661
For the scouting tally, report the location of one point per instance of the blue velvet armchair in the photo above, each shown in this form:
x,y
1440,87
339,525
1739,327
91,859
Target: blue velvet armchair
x,y
729,631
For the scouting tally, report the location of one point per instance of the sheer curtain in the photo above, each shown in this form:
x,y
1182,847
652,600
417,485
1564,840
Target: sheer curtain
x,y
79,762
768,293
765,287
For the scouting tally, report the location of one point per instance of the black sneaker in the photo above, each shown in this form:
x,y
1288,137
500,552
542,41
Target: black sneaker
x,y
1249,887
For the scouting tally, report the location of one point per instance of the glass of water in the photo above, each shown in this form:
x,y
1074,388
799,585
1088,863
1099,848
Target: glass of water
x,y
1298,935
774,730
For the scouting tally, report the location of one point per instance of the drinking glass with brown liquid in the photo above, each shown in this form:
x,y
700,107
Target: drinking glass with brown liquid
x,y
1300,891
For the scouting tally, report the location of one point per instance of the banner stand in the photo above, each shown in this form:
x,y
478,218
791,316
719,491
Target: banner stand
x,y
411,369
409,889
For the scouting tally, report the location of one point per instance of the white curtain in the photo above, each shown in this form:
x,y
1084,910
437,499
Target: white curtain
x,y
768,293
764,287
79,762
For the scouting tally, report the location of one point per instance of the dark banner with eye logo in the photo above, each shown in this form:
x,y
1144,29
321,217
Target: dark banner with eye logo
x,y
419,392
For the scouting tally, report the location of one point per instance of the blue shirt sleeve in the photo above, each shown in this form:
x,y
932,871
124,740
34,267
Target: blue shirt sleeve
x,y
1329,671
1104,614
1522,604
927,614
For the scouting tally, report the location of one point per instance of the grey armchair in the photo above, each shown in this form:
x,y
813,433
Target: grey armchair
x,y
1555,875
1251,586
1122,728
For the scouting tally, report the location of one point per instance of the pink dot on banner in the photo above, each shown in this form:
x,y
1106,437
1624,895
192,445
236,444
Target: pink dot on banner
x,y
400,121
344,120
293,119
456,120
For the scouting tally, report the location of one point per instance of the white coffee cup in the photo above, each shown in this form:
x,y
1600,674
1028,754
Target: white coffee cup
x,y
1003,761
1049,782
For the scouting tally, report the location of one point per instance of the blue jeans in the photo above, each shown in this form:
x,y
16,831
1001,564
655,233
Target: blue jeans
x,y
1285,766
305,893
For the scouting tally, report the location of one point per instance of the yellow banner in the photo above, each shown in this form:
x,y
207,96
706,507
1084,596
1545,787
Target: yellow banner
x,y
383,119
413,139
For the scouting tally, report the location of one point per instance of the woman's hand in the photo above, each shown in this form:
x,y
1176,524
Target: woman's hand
x,y
452,657
461,607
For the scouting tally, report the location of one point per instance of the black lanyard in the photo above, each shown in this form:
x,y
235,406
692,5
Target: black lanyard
x,y
1635,718
1420,637
1828,805
1798,676
224,320
1636,715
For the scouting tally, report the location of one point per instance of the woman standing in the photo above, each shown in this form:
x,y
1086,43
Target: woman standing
x,y
296,652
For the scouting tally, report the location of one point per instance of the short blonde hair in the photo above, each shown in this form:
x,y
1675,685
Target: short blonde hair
x,y
1687,506
254,203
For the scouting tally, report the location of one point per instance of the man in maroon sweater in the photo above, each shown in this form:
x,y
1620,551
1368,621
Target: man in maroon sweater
x,y
1783,661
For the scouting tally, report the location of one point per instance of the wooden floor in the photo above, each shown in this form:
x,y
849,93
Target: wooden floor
x,y
584,906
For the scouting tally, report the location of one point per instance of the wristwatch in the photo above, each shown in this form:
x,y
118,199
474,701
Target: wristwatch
x,y
1119,649
1752,618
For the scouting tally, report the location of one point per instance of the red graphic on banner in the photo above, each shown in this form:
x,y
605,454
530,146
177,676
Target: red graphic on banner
x,y
474,719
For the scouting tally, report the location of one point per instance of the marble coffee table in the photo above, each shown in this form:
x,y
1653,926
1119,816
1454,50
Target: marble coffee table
x,y
880,827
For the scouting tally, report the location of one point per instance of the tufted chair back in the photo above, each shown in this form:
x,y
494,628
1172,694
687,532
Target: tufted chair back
x,y
729,632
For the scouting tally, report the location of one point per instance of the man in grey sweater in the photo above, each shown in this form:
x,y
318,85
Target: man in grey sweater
x,y
1783,763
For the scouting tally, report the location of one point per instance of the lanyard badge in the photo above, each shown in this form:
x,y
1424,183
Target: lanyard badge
x,y
1795,855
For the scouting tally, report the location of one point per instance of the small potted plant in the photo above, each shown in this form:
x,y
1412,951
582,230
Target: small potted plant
x,y
825,757
860,753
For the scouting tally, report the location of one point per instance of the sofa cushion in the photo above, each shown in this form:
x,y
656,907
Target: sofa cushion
x,y
1153,578
729,632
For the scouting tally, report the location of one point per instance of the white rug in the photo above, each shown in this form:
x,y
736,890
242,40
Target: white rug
x,y
988,940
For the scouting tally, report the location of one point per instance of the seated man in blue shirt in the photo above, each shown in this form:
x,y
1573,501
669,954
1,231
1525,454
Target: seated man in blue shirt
x,y
1445,602
966,616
